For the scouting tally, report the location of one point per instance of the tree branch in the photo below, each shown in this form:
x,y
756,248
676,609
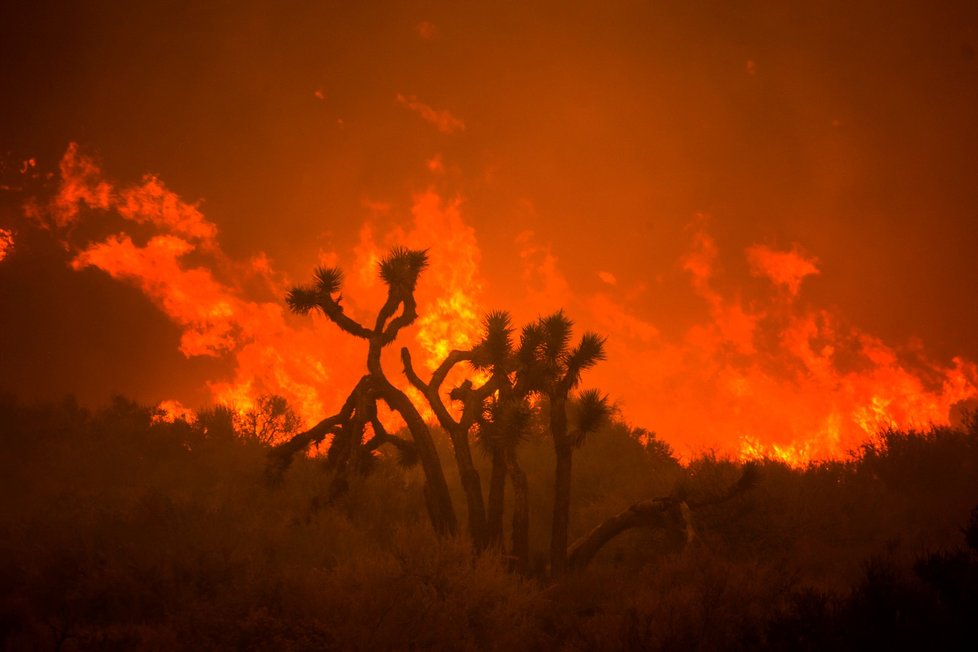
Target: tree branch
x,y
409,372
408,314
334,311
387,310
431,390
280,456
658,512
473,403
381,437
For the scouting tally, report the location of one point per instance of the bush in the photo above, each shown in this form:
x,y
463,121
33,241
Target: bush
x,y
122,532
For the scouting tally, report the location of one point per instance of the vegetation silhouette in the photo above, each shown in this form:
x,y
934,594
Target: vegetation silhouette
x,y
551,368
121,530
399,270
270,420
510,380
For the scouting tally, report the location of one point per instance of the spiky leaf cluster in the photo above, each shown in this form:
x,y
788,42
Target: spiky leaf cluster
x,y
303,298
461,392
401,267
588,352
532,375
503,424
496,346
546,361
556,330
407,456
328,279
531,339
592,411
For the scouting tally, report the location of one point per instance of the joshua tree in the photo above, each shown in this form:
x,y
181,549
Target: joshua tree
x,y
502,424
499,409
549,366
472,399
490,406
399,270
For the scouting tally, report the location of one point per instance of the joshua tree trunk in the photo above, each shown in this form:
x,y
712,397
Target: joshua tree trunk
x,y
458,432
472,486
399,270
562,500
436,488
562,484
341,454
497,496
521,512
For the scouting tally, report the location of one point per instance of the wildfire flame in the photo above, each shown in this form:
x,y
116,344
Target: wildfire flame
x,y
773,378
769,376
449,298
170,411
272,351
6,242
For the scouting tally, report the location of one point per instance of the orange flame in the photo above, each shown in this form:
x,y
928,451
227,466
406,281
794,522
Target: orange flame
x,y
768,376
270,354
272,351
449,296
171,411
6,243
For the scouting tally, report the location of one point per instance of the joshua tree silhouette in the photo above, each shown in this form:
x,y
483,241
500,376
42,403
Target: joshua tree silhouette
x,y
399,270
498,402
549,366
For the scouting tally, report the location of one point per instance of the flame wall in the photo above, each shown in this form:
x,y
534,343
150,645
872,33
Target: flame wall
x,y
768,208
764,372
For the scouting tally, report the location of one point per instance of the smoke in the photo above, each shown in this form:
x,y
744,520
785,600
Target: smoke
x,y
440,119
783,268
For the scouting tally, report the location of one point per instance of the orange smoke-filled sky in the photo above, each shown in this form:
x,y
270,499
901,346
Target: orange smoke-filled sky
x,y
770,210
